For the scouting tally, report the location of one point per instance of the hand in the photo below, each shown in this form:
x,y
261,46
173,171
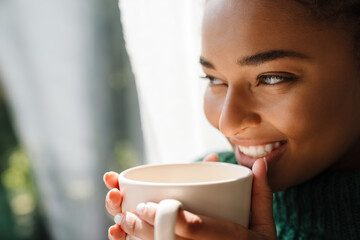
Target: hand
x,y
114,198
191,226
113,202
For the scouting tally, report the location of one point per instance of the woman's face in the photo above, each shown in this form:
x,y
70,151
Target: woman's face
x,y
281,86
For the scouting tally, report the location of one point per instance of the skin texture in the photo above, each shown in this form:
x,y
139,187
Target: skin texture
x,y
316,112
275,75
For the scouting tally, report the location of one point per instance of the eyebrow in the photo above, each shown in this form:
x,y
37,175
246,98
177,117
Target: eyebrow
x,y
269,56
206,63
260,58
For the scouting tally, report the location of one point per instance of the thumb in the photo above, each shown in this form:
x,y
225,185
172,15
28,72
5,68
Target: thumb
x,y
262,220
212,157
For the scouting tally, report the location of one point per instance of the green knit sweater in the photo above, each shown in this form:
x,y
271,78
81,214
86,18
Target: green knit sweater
x,y
325,207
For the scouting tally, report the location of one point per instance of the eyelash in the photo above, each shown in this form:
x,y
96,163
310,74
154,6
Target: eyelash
x,y
212,80
276,78
260,80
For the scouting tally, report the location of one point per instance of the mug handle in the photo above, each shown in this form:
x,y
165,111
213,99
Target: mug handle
x,y
165,219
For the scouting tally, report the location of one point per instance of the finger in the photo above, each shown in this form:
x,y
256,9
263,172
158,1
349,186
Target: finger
x,y
116,233
213,157
262,220
147,211
192,226
134,226
111,180
113,201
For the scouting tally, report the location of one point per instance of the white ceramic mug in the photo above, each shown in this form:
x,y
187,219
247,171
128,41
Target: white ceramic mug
x,y
218,190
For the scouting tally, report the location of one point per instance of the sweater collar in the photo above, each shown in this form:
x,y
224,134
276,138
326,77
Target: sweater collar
x,y
327,205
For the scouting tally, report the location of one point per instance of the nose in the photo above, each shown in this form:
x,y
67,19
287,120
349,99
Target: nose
x,y
238,113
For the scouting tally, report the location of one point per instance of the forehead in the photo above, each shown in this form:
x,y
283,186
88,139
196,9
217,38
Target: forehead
x,y
259,24
221,13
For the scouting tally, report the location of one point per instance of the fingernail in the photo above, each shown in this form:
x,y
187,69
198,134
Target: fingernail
x,y
118,218
113,197
109,232
104,176
108,197
266,165
140,208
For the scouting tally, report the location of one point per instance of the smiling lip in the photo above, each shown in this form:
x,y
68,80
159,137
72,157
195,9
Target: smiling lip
x,y
248,161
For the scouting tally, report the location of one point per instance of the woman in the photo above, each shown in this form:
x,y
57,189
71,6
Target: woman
x,y
284,87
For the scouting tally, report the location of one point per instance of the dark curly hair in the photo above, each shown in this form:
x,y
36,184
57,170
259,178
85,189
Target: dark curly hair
x,y
345,11
333,9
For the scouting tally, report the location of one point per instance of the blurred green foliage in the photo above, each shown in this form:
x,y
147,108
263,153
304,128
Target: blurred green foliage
x,y
20,214
126,135
126,156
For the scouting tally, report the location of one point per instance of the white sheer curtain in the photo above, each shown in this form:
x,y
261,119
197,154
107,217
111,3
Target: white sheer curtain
x,y
163,41
47,52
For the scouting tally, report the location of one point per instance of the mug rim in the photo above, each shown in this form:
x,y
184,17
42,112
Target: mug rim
x,y
123,179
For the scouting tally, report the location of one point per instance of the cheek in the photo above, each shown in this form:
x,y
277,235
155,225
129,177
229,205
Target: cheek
x,y
301,117
321,116
213,104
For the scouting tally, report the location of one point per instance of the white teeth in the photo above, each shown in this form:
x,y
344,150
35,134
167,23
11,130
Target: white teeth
x,y
252,150
268,148
259,150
